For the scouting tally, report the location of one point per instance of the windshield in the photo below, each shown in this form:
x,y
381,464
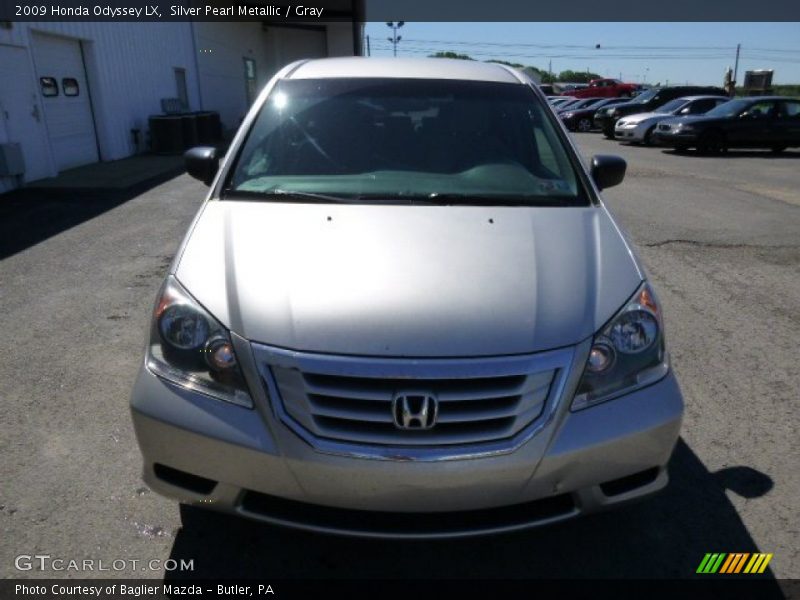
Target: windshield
x,y
404,139
593,102
645,97
672,105
731,108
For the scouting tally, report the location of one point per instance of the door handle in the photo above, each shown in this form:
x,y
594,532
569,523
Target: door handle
x,y
35,112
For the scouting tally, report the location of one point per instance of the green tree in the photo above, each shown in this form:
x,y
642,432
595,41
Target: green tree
x,y
451,55
508,64
577,76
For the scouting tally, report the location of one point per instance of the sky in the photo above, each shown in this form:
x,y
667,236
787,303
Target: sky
x,y
640,52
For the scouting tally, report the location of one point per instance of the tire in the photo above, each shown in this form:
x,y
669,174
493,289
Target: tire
x,y
711,143
681,149
584,125
778,149
624,95
648,136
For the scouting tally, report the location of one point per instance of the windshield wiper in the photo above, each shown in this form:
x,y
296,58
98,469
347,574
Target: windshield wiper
x,y
446,198
289,195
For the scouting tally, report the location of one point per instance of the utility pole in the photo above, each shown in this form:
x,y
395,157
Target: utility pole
x,y
368,51
550,69
735,70
395,38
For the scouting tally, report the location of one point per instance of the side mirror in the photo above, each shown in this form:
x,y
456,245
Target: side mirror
x,y
686,111
202,163
608,171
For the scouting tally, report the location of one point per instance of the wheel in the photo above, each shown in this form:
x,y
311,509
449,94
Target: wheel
x,y
625,95
584,125
681,149
648,136
711,142
778,149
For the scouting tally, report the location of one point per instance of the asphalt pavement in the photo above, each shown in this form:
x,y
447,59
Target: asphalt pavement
x,y
721,239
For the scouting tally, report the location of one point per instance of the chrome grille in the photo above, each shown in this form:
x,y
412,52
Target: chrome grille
x,y
349,400
359,409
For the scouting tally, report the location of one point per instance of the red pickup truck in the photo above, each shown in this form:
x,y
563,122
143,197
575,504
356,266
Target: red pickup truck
x,y
604,88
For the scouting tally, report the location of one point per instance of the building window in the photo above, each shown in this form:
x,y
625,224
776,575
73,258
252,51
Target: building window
x,y
249,80
49,86
70,86
180,87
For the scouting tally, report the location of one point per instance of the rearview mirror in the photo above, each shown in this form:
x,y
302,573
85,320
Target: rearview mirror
x,y
608,171
202,163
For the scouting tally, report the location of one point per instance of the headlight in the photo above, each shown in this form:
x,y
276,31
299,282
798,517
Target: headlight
x,y
683,127
627,354
190,348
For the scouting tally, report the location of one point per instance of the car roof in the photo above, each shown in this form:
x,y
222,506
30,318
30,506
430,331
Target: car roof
x,y
704,97
768,98
412,68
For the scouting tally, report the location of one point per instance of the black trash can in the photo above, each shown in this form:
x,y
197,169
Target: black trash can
x,y
166,134
209,127
189,129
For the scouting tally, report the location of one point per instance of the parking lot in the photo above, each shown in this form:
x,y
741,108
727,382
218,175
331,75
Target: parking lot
x,y
721,239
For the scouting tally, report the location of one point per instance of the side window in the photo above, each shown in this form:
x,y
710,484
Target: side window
x,y
70,86
250,90
181,88
49,86
791,110
761,110
701,106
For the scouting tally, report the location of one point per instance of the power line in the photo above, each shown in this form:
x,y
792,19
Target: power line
x,y
567,46
529,55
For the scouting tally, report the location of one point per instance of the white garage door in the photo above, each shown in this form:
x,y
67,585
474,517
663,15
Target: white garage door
x,y
20,111
65,96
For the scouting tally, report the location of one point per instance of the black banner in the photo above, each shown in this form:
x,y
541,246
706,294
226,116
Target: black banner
x,y
717,587
270,11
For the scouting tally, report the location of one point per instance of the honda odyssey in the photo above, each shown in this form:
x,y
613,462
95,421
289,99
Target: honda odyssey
x,y
403,310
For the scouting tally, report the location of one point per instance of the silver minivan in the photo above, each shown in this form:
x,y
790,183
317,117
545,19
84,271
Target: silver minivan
x,y
403,310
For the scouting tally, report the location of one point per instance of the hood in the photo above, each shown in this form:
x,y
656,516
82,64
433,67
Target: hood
x,y
639,117
689,119
444,281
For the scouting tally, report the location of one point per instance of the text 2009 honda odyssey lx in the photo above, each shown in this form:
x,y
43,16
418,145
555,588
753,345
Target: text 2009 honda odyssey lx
x,y
404,311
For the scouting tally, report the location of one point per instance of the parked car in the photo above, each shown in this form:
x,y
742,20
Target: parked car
x,y
605,88
569,86
649,101
582,119
570,102
578,103
556,100
639,128
547,89
403,310
642,87
761,122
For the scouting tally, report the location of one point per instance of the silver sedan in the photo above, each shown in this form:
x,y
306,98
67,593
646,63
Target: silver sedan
x,y
639,128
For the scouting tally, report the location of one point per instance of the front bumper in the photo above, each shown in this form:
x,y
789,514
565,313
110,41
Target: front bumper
x,y
670,138
245,461
630,134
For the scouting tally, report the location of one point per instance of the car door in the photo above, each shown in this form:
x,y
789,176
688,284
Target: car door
x,y
754,126
702,106
787,126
